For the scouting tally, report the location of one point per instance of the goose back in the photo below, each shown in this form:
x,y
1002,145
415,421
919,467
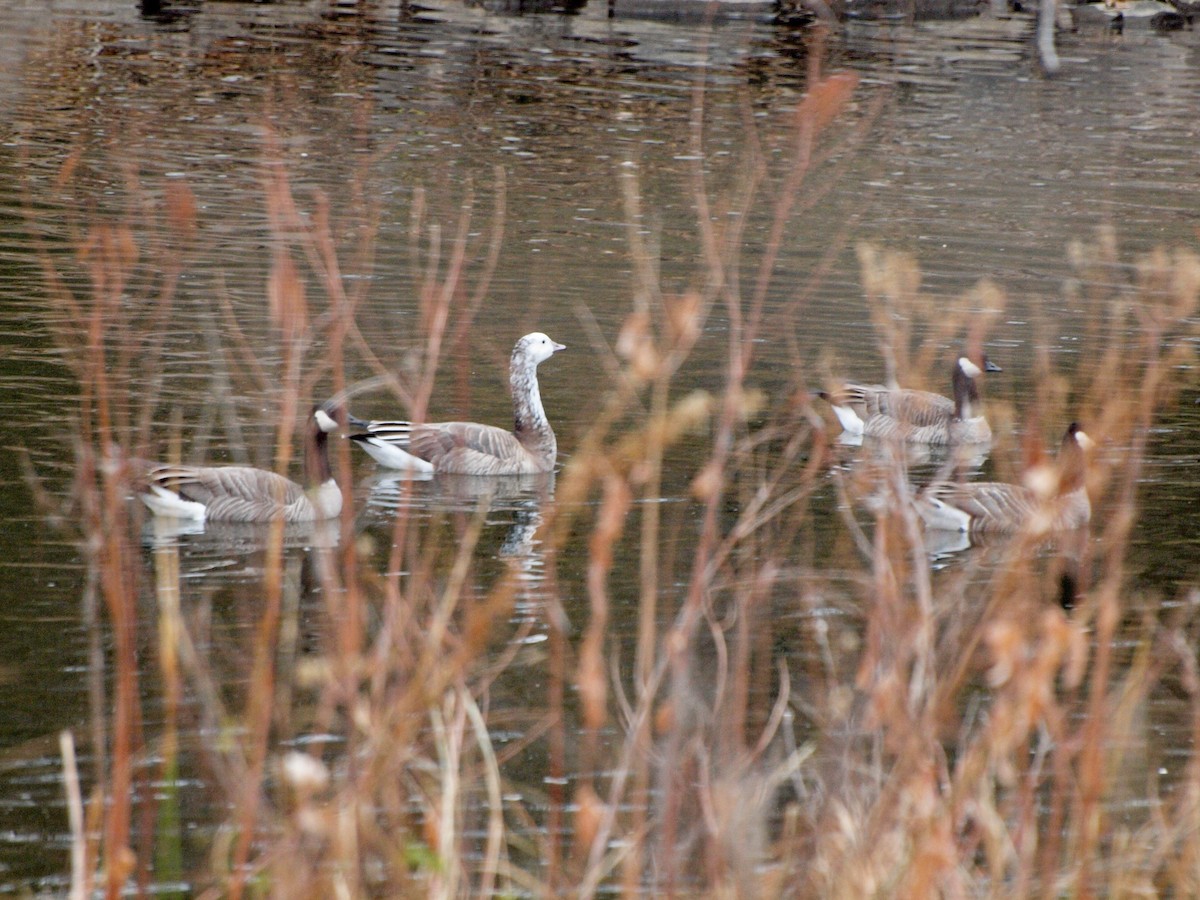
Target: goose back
x,y
474,449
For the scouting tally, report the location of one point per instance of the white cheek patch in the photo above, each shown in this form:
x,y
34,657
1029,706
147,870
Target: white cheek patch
x,y
1082,439
324,421
969,367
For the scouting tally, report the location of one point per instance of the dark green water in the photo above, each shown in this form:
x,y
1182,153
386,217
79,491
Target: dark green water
x,y
967,159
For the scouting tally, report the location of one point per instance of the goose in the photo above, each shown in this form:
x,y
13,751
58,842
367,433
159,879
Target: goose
x,y
245,493
918,417
469,448
1053,501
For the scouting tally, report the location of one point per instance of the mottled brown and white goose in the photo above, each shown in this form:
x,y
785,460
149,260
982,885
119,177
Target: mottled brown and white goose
x,y
918,417
246,493
1053,500
469,448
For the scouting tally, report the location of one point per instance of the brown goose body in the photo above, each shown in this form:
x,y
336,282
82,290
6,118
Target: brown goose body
x,y
471,448
246,493
993,507
917,417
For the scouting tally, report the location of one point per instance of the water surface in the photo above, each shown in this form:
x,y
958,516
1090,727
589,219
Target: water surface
x,y
954,150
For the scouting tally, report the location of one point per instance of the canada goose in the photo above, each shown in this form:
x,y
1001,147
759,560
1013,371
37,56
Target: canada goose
x,y
247,494
468,448
918,417
1054,499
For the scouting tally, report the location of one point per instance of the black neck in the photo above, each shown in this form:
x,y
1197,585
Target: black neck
x,y
1072,468
966,394
316,455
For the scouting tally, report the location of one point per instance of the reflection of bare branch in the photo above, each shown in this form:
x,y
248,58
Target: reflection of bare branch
x,y
245,354
223,402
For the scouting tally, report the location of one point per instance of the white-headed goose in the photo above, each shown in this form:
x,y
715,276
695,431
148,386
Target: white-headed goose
x,y
469,448
918,417
245,493
1054,498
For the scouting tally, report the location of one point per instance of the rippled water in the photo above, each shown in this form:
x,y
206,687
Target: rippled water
x,y
963,156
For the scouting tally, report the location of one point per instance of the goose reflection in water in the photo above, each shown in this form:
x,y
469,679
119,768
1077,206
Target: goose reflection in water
x,y
235,552
524,496
514,503
239,537
851,449
1063,556
389,491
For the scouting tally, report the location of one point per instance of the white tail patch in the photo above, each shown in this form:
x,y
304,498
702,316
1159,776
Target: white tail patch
x,y
388,454
938,514
851,423
166,503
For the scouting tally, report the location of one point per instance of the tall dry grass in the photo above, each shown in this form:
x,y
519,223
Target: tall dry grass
x,y
936,736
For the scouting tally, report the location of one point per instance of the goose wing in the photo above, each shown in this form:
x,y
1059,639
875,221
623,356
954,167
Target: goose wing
x,y
230,493
463,448
394,432
984,506
469,448
916,408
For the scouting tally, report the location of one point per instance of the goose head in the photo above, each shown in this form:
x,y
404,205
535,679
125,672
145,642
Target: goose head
x,y
972,369
324,421
330,417
1074,455
536,348
1075,434
1069,472
965,380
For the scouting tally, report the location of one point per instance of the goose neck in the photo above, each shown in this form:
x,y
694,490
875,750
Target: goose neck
x,y
966,394
528,413
1073,471
317,469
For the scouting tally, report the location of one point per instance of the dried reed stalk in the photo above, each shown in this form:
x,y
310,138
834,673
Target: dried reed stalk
x,y
946,737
